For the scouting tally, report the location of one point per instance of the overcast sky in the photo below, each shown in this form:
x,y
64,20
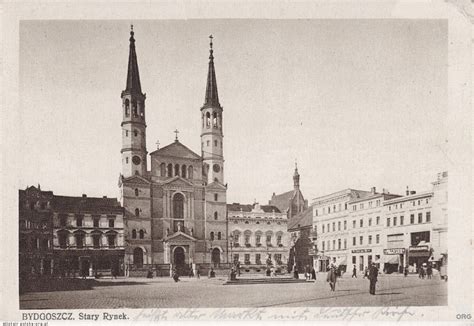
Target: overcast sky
x,y
358,103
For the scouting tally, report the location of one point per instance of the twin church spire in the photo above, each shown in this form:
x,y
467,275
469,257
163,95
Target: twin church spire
x,y
212,97
133,76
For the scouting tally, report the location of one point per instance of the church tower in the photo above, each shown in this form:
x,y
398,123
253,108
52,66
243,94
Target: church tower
x,y
133,122
212,136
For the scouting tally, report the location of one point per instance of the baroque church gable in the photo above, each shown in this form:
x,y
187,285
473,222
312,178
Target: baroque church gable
x,y
179,237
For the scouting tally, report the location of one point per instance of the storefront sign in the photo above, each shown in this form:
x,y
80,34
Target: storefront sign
x,y
360,251
418,248
394,251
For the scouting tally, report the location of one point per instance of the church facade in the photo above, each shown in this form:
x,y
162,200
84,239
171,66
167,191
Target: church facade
x,y
174,212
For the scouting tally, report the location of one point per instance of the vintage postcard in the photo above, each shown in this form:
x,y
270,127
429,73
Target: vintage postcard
x,y
236,161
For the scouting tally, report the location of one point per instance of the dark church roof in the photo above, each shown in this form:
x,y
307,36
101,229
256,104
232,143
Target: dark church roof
x,y
133,77
212,97
301,220
69,204
176,149
236,207
282,201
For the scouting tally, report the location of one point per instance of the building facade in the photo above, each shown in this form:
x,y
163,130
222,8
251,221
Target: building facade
x,y
174,210
35,232
259,237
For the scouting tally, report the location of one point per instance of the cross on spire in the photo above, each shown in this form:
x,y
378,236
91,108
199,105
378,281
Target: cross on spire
x,y
176,132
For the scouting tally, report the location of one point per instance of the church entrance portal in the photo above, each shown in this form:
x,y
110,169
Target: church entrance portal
x,y
138,257
216,257
179,260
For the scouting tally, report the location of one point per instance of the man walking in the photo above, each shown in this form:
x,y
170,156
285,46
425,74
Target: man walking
x,y
373,274
354,272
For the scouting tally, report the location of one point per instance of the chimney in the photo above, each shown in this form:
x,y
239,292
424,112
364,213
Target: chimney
x,y
372,190
84,196
407,192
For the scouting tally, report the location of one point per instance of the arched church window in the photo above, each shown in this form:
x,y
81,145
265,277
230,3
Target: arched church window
x,y
183,171
214,119
176,170
135,132
141,234
163,169
127,107
170,170
219,235
208,119
134,109
126,160
137,212
190,172
178,206
142,109
134,234
136,192
126,133
212,236
215,215
203,116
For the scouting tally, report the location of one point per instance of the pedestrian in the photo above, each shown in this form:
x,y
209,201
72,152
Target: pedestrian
x,y
306,273
354,271
405,271
313,273
332,277
424,270
191,274
429,271
373,274
295,272
421,272
175,275
366,272
198,273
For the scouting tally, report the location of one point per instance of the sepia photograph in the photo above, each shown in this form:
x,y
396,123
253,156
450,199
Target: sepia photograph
x,y
236,163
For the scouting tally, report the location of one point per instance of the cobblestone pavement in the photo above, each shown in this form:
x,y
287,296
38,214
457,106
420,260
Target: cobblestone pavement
x,y
392,290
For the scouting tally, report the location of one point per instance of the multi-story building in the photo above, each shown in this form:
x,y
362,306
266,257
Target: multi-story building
x,y
88,236
36,232
259,235
366,223
331,223
175,210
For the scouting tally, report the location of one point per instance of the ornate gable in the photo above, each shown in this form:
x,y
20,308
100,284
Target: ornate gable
x,y
177,150
177,181
179,237
135,179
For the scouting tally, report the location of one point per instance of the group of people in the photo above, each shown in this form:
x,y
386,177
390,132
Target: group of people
x,y
426,270
309,273
371,273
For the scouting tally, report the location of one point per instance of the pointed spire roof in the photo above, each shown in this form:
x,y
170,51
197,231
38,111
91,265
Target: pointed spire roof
x,y
133,77
212,98
296,177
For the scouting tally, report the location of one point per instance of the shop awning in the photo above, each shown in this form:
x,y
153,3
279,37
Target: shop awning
x,y
393,259
342,261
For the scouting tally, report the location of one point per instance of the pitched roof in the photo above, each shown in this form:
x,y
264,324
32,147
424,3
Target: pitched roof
x,y
282,201
303,219
212,97
236,207
176,149
133,77
86,204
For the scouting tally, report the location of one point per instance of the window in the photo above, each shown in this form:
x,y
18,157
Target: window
x,y
278,259
417,237
111,240
412,219
345,225
401,220
62,220
247,239
333,244
361,206
361,223
79,220
96,241
329,245
269,240
339,244
428,217
339,226
236,257
329,227
377,238
257,240
258,260
419,202
316,212
79,240
207,143
184,169
96,221
178,206
127,107
323,228
339,206
111,223
219,235
190,172
134,108
137,212
135,133
279,240
134,234
361,240
43,205
247,259
370,221
323,245
176,170
353,241
353,224
62,239
136,192
141,234
388,221
126,133
170,170
345,243
394,221
370,239
377,220
212,236
420,217
329,210
215,215
216,197
333,226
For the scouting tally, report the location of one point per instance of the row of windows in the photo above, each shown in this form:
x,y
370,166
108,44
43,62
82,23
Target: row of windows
x,y
370,204
219,236
216,120
265,217
394,221
27,244
184,171
256,222
80,221
63,238
414,203
258,259
141,234
208,143
330,209
342,244
36,204
327,228
258,238
135,133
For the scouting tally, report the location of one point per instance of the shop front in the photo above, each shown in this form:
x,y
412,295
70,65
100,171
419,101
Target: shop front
x,y
362,258
418,255
394,260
